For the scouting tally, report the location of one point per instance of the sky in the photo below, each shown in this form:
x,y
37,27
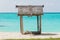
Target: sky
x,y
10,5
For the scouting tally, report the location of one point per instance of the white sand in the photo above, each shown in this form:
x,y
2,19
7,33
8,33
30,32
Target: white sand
x,y
17,35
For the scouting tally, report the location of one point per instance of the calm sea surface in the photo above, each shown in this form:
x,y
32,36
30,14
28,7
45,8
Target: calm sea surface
x,y
10,22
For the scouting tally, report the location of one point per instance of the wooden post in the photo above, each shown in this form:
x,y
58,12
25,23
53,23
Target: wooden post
x,y
40,24
21,24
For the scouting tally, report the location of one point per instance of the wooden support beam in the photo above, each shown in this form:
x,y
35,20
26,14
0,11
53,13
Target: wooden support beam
x,y
37,23
40,24
21,24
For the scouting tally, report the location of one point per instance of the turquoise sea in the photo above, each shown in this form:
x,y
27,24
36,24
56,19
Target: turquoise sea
x,y
10,22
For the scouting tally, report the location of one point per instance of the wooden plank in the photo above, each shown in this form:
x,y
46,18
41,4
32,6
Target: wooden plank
x,y
21,24
29,5
30,14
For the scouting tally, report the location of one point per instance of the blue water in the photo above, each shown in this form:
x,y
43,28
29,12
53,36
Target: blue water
x,y
10,22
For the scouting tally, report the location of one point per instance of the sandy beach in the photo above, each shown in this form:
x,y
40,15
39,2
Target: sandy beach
x,y
17,35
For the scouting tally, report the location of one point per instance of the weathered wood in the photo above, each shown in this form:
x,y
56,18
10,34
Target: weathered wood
x,y
29,5
30,14
30,10
37,23
40,24
36,10
21,24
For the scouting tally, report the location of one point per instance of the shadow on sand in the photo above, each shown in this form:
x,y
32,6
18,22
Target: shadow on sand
x,y
38,33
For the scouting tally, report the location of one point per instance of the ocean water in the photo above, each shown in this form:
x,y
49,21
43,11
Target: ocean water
x,y
10,22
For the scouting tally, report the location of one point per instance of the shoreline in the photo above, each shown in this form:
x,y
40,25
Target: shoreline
x,y
18,35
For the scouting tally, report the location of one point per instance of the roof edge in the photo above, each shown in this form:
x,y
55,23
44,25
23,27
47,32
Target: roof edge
x,y
29,5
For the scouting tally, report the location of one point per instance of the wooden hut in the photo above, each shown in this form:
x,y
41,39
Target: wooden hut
x,y
30,10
